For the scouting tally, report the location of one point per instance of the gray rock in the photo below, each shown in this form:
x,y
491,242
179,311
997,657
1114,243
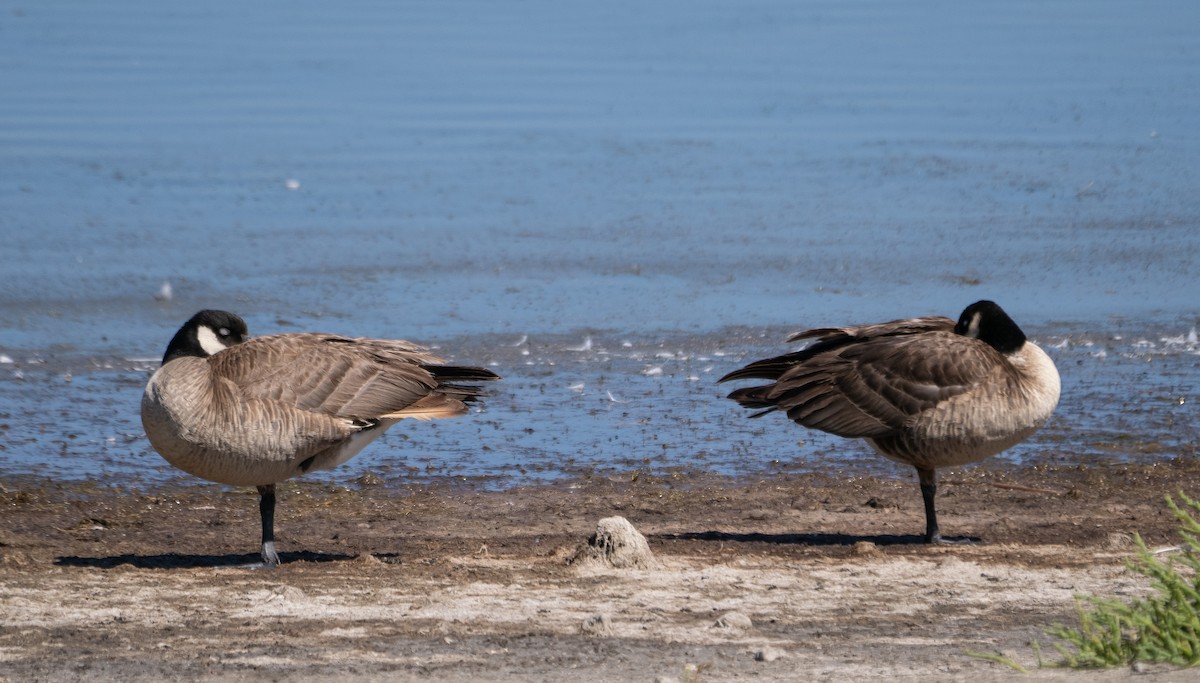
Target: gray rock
x,y
615,544
768,654
597,625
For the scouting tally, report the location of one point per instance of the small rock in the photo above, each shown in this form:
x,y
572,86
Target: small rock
x,y
597,625
284,594
369,479
734,620
865,548
768,654
1119,541
615,544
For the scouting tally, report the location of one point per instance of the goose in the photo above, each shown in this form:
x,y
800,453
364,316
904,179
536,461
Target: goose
x,y
927,392
256,411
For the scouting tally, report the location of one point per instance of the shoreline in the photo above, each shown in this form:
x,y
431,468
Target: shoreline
x,y
621,403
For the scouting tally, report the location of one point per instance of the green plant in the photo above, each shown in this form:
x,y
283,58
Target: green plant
x,y
1163,627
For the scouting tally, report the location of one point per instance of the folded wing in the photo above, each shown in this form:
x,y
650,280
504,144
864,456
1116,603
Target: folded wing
x,y
869,381
363,379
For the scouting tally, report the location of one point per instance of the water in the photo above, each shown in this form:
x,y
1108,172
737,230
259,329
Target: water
x,y
687,178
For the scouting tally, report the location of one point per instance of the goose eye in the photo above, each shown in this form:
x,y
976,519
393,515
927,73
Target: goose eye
x,y
224,331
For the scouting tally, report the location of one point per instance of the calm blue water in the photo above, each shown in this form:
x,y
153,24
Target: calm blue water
x,y
686,178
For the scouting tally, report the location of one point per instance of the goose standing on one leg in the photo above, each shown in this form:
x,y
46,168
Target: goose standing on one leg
x,y
925,391
254,412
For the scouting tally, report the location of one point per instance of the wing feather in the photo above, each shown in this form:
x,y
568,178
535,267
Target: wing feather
x,y
353,378
827,339
873,386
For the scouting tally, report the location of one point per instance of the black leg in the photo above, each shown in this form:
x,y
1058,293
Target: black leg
x,y
928,480
266,508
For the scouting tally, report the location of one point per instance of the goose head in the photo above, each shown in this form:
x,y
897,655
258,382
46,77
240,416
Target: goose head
x,y
988,323
206,333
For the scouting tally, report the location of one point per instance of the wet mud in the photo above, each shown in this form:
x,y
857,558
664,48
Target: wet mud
x,y
453,581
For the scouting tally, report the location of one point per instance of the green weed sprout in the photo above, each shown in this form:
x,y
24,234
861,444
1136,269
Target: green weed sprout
x,y
1161,628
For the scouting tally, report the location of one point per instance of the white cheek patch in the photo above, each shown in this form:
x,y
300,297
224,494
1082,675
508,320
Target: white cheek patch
x,y
209,341
973,328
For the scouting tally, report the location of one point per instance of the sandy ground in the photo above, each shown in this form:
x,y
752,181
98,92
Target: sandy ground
x,y
452,582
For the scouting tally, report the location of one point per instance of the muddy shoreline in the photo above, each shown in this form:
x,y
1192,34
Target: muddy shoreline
x,y
446,581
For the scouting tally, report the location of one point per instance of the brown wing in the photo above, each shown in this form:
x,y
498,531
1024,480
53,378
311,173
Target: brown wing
x,y
357,378
876,387
929,323
831,338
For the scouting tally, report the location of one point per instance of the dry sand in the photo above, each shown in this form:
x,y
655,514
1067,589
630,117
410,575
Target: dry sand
x,y
791,578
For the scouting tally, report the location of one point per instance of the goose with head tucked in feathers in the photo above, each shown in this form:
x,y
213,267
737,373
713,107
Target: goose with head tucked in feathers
x,y
256,411
928,392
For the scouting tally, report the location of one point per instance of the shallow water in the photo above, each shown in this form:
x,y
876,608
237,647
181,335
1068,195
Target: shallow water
x,y
690,178
609,405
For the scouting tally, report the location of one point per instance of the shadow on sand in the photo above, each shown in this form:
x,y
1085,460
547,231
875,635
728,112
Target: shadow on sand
x,y
797,539
178,561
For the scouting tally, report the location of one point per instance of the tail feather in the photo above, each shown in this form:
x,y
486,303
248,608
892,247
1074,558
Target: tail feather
x,y
825,339
753,397
768,368
447,375
457,373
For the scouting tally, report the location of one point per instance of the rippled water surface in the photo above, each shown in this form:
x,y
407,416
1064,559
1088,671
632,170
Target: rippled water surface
x,y
681,182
